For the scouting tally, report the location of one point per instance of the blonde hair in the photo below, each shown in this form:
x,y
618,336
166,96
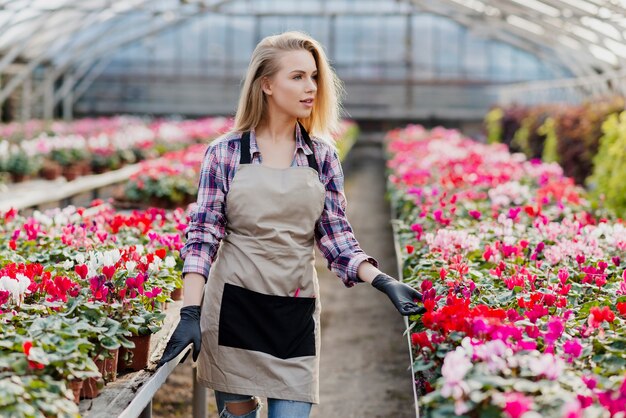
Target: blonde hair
x,y
325,115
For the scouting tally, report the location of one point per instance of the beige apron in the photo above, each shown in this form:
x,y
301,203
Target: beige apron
x,y
261,311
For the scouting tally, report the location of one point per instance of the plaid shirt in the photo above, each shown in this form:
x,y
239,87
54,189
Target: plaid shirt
x,y
333,232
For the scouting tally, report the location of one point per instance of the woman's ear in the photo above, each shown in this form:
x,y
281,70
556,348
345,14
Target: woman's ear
x,y
266,86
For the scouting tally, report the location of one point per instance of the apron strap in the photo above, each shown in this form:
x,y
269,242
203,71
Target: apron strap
x,y
307,140
245,148
245,157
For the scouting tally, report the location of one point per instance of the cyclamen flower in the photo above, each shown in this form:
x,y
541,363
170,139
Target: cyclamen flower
x,y
26,347
456,364
572,409
573,349
455,367
516,404
16,287
4,297
170,262
547,365
598,315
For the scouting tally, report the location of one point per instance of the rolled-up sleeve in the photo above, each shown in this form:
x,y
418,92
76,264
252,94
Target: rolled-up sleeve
x,y
333,232
207,220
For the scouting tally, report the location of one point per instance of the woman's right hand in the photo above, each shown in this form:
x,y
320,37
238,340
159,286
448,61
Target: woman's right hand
x,y
187,332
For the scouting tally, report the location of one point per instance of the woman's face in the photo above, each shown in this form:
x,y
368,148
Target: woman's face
x,y
293,88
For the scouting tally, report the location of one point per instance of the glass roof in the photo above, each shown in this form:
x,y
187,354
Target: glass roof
x,y
587,36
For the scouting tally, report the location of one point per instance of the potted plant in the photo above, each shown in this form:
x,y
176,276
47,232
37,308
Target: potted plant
x,y
21,166
142,323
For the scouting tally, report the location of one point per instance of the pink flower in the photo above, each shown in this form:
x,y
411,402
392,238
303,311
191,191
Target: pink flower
x,y
516,404
590,382
572,348
475,214
155,292
572,409
555,330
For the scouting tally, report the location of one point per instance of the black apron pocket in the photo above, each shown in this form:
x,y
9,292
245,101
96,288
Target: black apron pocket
x,y
281,326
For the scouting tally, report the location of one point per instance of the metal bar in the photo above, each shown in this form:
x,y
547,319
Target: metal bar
x,y
27,90
16,80
68,99
93,74
144,395
48,98
398,251
200,409
147,411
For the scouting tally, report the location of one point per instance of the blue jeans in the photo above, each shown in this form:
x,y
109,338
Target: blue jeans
x,y
277,408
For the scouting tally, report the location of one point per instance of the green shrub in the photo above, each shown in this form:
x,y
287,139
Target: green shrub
x,y
609,165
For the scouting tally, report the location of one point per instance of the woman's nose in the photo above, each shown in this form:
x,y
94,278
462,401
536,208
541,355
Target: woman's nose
x,y
311,86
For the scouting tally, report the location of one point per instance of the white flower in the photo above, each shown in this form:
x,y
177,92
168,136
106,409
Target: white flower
x,y
68,264
455,365
10,285
130,266
110,258
547,365
170,262
80,258
23,282
139,249
42,218
155,266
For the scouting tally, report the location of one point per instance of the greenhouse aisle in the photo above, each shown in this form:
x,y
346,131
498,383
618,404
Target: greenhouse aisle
x,y
364,359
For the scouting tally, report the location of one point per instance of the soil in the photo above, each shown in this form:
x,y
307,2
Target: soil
x,y
364,368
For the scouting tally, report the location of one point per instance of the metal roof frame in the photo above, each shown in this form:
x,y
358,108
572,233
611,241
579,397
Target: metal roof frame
x,y
584,35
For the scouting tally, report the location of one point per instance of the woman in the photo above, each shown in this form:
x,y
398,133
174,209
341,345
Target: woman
x,y
268,191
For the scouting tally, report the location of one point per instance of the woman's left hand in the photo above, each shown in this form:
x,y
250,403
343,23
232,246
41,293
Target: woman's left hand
x,y
401,295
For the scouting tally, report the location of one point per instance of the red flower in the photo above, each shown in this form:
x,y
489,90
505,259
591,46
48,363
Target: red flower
x,y
4,297
108,271
81,270
621,308
161,253
598,315
410,249
420,339
13,244
26,346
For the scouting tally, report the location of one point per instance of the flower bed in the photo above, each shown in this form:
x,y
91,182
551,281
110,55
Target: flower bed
x,y
523,281
75,148
587,140
76,285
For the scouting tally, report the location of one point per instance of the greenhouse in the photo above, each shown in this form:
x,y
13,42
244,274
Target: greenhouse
x,y
185,183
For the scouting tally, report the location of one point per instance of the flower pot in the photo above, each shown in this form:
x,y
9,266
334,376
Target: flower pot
x,y
91,387
108,366
139,354
177,294
76,385
85,167
50,170
71,172
19,178
99,169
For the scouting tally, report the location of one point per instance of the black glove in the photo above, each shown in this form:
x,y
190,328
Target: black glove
x,y
400,294
187,331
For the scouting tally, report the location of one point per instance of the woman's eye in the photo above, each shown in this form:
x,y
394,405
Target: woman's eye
x,y
297,77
